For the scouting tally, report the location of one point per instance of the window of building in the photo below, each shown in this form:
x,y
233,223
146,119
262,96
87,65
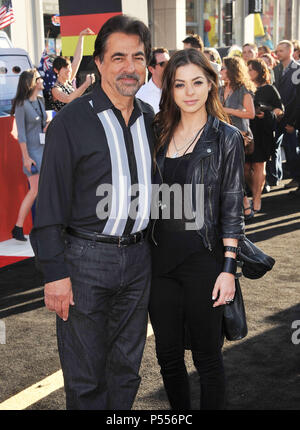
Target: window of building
x,y
202,17
52,31
211,23
192,17
282,20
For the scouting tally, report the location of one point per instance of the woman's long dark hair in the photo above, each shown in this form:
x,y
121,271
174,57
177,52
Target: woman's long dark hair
x,y
26,85
167,119
263,74
237,73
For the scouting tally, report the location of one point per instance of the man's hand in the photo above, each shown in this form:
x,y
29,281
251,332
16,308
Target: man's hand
x,y
58,295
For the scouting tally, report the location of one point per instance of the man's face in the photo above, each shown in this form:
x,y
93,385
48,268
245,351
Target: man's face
x,y
248,53
158,70
283,52
123,69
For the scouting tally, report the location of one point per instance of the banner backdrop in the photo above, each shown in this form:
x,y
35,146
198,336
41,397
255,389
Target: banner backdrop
x,y
76,15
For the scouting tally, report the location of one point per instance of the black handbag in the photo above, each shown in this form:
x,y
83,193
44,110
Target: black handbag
x,y
254,262
234,317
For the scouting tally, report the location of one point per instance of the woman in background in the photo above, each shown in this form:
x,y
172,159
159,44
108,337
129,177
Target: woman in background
x,y
237,98
63,91
268,108
31,120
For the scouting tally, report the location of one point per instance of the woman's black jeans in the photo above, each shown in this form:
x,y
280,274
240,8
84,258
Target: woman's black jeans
x,y
179,300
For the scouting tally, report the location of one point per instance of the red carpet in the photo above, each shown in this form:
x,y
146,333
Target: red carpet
x,y
6,260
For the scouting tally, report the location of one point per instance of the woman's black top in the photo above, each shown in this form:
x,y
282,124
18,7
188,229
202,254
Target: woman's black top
x,y
266,99
175,243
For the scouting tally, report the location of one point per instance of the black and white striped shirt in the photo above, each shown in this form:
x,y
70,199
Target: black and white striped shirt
x,y
96,175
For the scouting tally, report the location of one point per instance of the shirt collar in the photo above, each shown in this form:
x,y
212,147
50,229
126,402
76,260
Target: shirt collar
x,y
101,102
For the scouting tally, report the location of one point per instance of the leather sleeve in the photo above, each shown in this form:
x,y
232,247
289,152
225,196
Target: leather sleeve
x,y
232,186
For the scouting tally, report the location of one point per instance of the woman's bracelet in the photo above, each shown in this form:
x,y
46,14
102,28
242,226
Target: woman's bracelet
x,y
229,265
230,249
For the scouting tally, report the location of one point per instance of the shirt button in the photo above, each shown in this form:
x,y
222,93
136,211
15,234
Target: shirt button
x,y
208,150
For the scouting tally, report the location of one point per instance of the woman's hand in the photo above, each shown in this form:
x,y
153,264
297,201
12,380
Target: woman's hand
x,y
28,162
47,125
87,31
225,286
90,79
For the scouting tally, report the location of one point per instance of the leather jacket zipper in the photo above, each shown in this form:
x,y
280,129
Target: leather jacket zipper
x,y
206,228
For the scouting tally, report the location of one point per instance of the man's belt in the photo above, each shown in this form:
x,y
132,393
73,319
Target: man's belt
x,y
98,237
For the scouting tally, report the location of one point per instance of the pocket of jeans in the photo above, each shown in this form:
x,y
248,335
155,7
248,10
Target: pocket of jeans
x,y
75,250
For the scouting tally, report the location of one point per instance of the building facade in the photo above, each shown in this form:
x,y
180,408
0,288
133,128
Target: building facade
x,y
219,22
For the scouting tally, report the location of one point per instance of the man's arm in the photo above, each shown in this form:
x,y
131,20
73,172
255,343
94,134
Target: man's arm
x,y
53,209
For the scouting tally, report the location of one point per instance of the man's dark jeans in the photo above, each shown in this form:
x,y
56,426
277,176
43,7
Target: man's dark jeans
x,y
102,342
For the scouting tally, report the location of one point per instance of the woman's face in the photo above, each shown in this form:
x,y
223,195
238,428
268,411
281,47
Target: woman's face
x,y
267,61
39,82
252,73
224,73
65,73
191,88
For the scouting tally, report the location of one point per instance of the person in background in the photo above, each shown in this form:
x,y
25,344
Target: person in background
x,y
192,281
31,120
194,41
296,54
263,49
268,107
271,63
288,85
63,91
213,55
237,98
151,91
249,52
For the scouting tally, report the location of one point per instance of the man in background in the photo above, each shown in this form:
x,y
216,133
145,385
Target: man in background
x,y
151,91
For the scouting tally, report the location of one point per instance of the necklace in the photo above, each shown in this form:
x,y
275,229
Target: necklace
x,y
187,146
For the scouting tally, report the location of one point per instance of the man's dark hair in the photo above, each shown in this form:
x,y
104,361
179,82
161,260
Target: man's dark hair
x,y
195,41
155,51
122,24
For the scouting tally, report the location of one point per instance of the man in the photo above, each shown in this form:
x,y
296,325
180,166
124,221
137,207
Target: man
x,y
287,80
151,91
249,52
194,41
97,274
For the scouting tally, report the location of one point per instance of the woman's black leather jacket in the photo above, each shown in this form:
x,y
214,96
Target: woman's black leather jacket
x,y
217,162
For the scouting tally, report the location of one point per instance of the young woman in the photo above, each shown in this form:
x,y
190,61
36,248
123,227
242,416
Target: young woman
x,y
268,107
63,92
237,99
31,120
193,274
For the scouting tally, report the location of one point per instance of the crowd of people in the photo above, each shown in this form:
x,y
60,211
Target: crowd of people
x,y
199,120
